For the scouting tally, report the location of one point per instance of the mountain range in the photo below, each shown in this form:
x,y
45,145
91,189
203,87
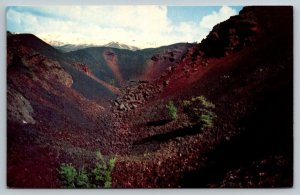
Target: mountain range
x,y
67,47
73,47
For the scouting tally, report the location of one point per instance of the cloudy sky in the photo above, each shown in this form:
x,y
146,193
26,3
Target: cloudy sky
x,y
141,26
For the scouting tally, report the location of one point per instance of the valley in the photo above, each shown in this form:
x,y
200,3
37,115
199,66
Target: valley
x,y
213,114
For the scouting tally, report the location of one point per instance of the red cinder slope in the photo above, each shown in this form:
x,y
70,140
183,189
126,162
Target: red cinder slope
x,y
48,111
245,67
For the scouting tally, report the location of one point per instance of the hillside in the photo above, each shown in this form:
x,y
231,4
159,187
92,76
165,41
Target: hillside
x,y
119,65
233,96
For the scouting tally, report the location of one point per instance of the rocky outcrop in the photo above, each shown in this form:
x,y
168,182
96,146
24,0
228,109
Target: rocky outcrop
x,y
46,68
19,109
37,65
231,35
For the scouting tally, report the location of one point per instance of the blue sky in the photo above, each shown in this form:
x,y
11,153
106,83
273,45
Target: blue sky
x,y
142,26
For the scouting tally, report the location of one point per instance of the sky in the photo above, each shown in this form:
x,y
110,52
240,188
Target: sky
x,y
143,26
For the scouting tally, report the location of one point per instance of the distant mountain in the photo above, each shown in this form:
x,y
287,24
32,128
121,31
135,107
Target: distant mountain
x,y
72,47
54,43
66,46
120,46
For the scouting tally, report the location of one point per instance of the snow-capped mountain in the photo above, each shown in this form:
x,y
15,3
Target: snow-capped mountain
x,y
120,46
72,47
66,45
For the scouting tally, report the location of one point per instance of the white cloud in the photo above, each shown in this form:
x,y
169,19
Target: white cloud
x,y
216,17
142,26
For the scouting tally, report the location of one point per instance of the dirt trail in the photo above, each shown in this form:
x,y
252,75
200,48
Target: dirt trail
x,y
112,88
112,61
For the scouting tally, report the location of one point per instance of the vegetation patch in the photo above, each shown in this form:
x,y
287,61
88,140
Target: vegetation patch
x,y
200,111
97,176
172,110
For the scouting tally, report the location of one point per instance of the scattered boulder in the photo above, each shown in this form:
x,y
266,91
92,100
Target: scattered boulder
x,y
166,83
134,106
169,69
136,94
122,106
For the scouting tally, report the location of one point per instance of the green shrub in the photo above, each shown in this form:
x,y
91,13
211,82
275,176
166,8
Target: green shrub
x,y
186,104
96,177
172,110
200,111
207,119
68,175
103,169
203,101
82,180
